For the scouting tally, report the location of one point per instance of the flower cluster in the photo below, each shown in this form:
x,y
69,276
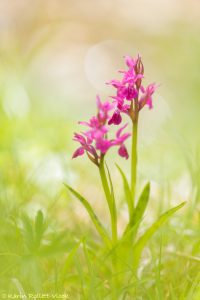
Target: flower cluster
x,y
131,96
95,140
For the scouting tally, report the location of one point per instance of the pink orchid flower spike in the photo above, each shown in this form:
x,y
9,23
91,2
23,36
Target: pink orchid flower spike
x,y
94,141
130,93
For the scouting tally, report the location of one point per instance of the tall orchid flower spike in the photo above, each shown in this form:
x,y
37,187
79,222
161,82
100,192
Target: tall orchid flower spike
x,y
131,96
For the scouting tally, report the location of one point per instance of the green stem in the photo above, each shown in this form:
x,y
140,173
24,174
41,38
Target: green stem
x,y
134,159
110,200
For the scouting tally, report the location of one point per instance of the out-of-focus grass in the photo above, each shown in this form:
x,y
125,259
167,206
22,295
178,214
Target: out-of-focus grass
x,y
66,257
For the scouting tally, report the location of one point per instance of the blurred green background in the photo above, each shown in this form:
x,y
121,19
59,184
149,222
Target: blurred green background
x,y
55,56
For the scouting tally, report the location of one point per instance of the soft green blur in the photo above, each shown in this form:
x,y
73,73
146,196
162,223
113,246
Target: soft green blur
x,y
55,56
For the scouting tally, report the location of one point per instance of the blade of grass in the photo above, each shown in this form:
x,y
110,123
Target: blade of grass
x,y
67,264
19,288
39,228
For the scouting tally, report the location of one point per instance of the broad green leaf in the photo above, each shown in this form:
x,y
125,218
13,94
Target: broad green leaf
x,y
121,242
99,227
127,192
140,244
133,225
140,209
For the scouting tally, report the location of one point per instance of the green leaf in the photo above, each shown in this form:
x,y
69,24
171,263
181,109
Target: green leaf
x,y
39,222
112,195
139,210
121,242
39,228
28,232
58,242
110,182
68,263
127,192
140,244
92,272
99,227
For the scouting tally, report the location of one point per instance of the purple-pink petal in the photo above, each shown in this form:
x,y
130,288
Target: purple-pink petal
x,y
146,99
123,151
119,131
115,83
130,62
115,119
79,138
149,102
103,145
80,151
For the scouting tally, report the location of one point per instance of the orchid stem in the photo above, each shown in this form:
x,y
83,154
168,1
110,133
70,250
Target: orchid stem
x,y
134,160
109,198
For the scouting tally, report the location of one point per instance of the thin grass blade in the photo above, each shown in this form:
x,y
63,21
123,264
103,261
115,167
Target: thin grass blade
x,y
67,264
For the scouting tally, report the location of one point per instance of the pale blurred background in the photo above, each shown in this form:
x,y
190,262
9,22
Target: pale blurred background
x,y
56,55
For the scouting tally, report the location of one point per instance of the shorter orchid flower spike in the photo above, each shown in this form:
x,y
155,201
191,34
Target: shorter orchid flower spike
x,y
94,141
